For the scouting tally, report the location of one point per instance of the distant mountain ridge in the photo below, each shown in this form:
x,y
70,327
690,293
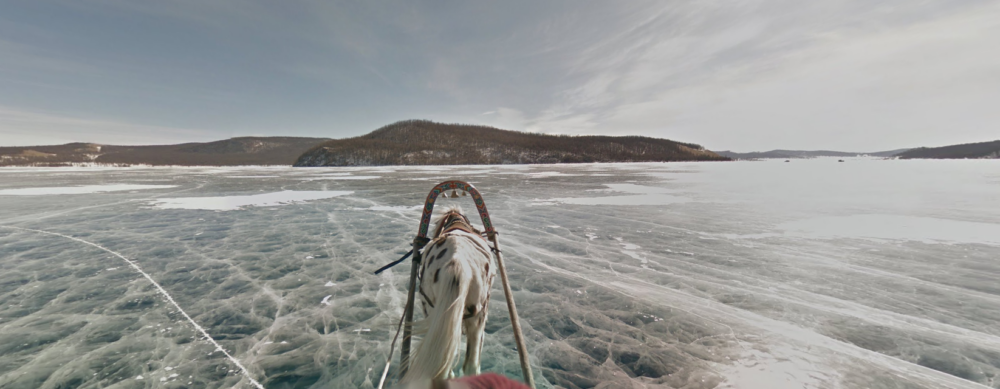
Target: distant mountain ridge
x,y
981,150
421,142
787,154
229,152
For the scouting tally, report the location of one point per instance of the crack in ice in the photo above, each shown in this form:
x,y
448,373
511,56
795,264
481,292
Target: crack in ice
x,y
162,291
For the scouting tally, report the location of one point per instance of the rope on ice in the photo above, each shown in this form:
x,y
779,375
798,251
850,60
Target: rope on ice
x,y
162,291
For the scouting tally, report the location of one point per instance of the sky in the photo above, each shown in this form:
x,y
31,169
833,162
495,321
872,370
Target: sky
x,y
743,75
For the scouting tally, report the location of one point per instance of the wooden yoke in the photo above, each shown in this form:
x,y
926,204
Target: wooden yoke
x,y
425,219
421,240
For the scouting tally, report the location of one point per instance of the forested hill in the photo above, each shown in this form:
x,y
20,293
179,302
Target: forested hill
x,y
968,150
420,142
229,152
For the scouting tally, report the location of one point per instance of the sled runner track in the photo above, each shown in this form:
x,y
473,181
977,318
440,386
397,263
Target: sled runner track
x,y
162,291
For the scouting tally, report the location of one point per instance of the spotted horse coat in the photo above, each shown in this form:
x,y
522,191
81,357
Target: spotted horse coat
x,y
457,268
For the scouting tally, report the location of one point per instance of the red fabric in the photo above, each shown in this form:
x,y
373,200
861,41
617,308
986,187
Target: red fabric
x,y
491,381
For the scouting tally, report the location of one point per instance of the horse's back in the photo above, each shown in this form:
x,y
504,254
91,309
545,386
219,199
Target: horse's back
x,y
453,255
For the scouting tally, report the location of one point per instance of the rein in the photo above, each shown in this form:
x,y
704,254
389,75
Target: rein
x,y
394,263
461,224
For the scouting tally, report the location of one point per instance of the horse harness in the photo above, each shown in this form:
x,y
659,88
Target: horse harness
x,y
461,223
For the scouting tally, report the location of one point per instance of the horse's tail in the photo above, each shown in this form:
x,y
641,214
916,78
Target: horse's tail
x,y
437,352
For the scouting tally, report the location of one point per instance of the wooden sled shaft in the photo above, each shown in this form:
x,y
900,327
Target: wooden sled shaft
x,y
404,352
522,351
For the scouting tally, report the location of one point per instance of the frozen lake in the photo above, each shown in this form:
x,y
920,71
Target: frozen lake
x,y
812,273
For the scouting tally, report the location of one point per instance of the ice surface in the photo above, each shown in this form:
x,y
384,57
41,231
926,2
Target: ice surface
x,y
813,274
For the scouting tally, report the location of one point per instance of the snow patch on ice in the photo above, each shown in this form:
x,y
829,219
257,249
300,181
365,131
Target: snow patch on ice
x,y
340,178
549,174
629,249
468,173
780,368
391,208
895,227
637,195
83,189
229,203
638,189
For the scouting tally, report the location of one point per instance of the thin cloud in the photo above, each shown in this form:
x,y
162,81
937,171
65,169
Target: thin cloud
x,y
763,74
20,128
754,84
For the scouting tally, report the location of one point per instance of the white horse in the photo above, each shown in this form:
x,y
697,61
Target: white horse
x,y
456,274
